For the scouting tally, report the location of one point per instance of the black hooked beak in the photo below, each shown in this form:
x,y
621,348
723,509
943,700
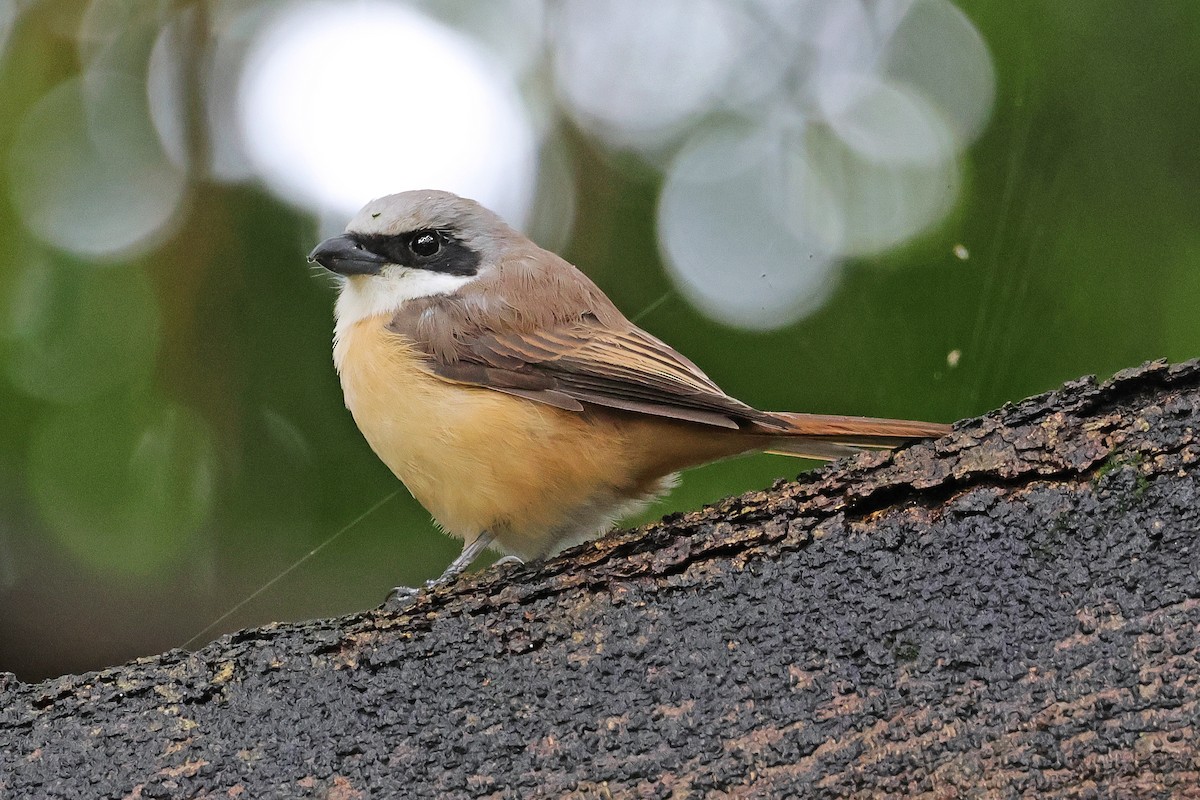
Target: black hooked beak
x,y
346,256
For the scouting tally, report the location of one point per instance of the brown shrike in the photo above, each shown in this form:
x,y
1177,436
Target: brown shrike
x,y
513,399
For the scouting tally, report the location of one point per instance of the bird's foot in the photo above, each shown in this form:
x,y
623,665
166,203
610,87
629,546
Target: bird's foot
x,y
398,595
401,595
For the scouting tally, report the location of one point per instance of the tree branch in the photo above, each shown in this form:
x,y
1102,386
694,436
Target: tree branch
x,y
1012,609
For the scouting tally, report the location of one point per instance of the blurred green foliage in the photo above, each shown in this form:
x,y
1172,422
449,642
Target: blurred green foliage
x,y
173,431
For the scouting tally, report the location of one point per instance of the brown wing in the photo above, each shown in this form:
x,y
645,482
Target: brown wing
x,y
587,363
570,364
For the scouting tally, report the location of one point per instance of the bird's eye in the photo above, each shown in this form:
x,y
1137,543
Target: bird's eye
x,y
426,244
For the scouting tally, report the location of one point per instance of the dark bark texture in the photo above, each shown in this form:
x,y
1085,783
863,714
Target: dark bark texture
x,y
1013,610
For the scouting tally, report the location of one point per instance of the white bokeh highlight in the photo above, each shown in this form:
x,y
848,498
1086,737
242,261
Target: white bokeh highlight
x,y
733,243
877,205
938,52
166,84
848,146
89,174
884,123
639,72
340,103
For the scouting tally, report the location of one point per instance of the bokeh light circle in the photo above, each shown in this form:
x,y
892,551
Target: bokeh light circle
x,y
727,243
639,71
89,174
885,123
340,103
74,332
124,484
877,204
936,50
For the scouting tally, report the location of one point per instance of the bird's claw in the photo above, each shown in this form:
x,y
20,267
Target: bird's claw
x,y
402,594
398,595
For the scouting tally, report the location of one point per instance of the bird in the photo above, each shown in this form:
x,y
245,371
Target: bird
x,y
513,399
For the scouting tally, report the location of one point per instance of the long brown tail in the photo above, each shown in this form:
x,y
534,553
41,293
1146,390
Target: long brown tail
x,y
826,437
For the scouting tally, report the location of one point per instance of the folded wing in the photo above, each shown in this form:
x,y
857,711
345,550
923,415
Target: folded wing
x,y
570,366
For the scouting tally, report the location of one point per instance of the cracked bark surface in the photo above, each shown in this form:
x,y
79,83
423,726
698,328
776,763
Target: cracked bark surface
x,y
1011,610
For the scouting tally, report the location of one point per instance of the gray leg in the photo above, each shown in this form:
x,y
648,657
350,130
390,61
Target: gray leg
x,y
469,553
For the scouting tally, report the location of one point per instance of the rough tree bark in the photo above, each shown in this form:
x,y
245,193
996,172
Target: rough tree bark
x,y
1014,609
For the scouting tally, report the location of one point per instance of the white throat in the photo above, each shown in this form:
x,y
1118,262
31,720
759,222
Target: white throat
x,y
363,297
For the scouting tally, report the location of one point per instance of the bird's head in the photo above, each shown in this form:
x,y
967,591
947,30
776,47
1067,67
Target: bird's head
x,y
409,245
